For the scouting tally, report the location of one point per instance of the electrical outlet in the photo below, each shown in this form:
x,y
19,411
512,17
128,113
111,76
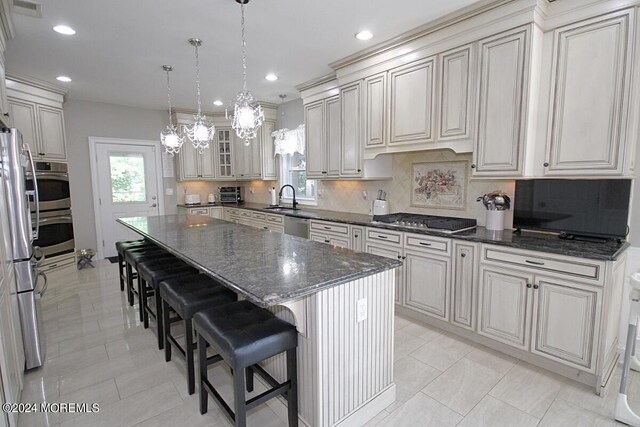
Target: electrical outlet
x,y
252,190
320,194
365,195
361,310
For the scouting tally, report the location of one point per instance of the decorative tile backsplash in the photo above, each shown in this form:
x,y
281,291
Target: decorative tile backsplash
x,y
349,196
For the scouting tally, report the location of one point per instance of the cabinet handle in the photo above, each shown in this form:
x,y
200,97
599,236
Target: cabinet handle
x,y
473,166
533,262
382,237
546,165
404,257
528,285
326,228
463,255
326,241
266,228
359,170
536,286
6,114
355,235
324,171
424,244
399,257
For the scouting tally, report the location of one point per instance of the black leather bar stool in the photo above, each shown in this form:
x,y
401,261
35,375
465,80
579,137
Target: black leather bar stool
x,y
120,248
244,335
150,274
131,259
186,296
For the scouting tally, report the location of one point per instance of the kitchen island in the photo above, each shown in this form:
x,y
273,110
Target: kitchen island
x,y
341,302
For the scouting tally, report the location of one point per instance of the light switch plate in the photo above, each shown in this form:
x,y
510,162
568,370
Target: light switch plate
x,y
361,310
168,191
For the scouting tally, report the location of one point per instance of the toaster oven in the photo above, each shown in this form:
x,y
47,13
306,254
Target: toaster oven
x,y
230,194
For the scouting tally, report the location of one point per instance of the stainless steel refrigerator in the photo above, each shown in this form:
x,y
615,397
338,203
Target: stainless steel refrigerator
x,y
16,160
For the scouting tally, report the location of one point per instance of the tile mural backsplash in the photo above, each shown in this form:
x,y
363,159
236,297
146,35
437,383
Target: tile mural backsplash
x,y
347,196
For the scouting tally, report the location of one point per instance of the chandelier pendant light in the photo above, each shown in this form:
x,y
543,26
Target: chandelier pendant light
x,y
247,112
171,140
199,133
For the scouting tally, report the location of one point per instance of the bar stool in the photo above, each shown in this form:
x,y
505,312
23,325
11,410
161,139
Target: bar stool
x,y
150,274
131,259
120,248
245,335
186,296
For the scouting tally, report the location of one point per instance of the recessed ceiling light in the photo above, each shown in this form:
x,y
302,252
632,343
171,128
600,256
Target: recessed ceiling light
x,y
271,77
63,79
64,29
364,35
217,102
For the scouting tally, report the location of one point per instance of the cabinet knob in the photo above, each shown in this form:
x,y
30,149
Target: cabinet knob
x,y
356,236
404,257
473,166
324,171
463,255
528,285
359,170
546,165
536,286
399,257
6,114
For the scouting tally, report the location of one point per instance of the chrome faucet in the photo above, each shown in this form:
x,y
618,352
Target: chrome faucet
x,y
294,195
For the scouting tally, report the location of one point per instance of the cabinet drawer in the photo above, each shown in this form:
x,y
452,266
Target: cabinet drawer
x,y
330,227
232,212
274,228
388,237
199,211
342,242
275,219
259,216
245,214
427,243
585,269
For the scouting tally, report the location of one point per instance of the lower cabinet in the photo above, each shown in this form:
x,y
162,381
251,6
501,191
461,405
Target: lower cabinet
x,y
216,212
505,306
565,321
357,238
395,253
340,241
464,277
427,282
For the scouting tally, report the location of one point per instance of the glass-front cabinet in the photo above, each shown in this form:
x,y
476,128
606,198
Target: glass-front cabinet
x,y
225,156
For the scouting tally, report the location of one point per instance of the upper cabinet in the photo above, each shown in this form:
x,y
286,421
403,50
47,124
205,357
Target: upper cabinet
x,y
455,95
4,105
37,113
590,90
224,153
323,133
412,102
269,168
375,94
351,140
195,164
501,104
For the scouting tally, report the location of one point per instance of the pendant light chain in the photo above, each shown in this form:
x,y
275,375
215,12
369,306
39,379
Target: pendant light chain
x,y
200,132
169,137
198,79
244,49
168,92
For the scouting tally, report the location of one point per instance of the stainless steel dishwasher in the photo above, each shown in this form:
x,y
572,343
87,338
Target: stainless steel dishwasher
x,y
296,226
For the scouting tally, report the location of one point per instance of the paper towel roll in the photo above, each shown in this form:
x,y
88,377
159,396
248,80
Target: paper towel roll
x,y
274,196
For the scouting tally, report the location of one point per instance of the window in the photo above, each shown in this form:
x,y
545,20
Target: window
x,y
293,172
127,178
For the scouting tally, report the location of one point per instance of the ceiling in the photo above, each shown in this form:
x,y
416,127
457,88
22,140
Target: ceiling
x,y
116,55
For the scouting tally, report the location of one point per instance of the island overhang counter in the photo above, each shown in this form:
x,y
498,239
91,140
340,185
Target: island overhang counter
x,y
342,303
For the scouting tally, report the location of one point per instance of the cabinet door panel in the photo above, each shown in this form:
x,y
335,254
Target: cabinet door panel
x,y
4,105
464,284
23,117
375,104
269,170
504,306
357,238
315,141
590,66
455,94
189,162
333,135
351,140
207,164
224,151
412,102
500,140
565,322
394,254
255,170
52,133
427,284
242,154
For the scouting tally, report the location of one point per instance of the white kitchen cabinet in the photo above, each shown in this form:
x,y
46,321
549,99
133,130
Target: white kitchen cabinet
x,y
23,117
194,164
4,104
502,104
427,283
315,139
224,153
566,320
216,212
333,135
375,95
351,132
455,94
412,102
256,157
357,238
590,92
504,305
243,155
463,286
269,169
394,253
339,241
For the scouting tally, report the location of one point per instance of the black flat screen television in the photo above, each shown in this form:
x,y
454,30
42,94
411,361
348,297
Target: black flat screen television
x,y
597,208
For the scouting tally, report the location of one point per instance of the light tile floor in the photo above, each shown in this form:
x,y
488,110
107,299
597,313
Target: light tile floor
x,y
97,351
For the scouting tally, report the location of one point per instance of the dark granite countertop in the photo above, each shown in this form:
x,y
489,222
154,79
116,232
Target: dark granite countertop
x,y
267,268
550,243
200,205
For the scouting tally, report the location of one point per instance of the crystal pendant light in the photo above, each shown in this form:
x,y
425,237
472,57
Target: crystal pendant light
x,y
200,133
247,113
169,136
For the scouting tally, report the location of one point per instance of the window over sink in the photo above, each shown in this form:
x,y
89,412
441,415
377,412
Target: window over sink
x,y
289,144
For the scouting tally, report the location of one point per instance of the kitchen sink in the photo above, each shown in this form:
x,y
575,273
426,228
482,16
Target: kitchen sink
x,y
281,209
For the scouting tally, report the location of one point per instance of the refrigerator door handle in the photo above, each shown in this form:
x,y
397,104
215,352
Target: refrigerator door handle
x,y
36,197
41,292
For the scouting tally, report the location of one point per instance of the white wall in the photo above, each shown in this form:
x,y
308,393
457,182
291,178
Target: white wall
x,y
84,119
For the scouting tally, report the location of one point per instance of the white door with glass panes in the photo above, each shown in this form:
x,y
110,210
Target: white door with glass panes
x,y
127,181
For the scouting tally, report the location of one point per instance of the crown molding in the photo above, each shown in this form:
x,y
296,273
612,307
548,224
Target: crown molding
x,y
315,82
40,84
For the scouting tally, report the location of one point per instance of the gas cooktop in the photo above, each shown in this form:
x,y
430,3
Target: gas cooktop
x,y
443,224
